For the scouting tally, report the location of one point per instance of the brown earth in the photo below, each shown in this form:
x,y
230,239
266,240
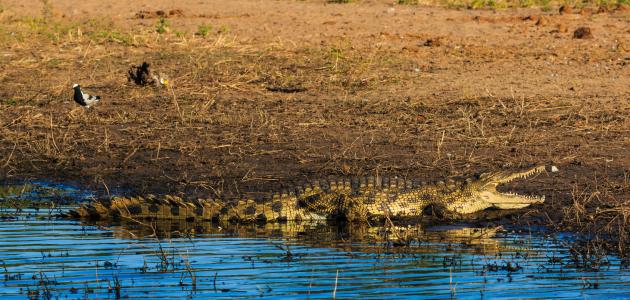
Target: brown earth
x,y
266,93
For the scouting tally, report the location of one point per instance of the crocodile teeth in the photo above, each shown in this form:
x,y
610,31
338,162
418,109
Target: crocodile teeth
x,y
524,175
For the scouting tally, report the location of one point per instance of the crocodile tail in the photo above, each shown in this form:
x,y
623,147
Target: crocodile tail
x,y
149,207
94,211
167,207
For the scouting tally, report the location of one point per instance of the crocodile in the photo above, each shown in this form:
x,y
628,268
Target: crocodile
x,y
351,199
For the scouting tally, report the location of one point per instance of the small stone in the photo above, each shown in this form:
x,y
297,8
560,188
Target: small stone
x,y
554,169
432,42
565,9
562,28
542,21
602,9
176,12
531,18
587,11
583,33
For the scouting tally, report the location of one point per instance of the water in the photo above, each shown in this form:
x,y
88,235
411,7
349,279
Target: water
x,y
44,257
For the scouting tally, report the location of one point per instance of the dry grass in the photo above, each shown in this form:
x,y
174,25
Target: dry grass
x,y
602,213
545,5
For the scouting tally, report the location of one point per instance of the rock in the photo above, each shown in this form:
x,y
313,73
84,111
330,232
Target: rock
x,y
587,11
531,18
560,28
542,21
602,9
583,33
176,13
565,9
436,42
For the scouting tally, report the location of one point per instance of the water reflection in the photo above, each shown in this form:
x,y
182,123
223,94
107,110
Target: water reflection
x,y
352,237
41,192
48,257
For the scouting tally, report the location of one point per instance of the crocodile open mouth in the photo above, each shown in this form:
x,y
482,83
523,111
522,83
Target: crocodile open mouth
x,y
517,200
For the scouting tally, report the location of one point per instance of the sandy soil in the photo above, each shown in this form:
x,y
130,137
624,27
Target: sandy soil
x,y
398,89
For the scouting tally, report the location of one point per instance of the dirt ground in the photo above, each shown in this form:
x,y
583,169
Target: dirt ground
x,y
266,93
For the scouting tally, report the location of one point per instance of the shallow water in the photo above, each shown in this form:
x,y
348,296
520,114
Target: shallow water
x,y
44,257
78,260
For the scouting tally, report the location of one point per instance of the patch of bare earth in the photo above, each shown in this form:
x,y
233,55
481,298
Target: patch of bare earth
x,y
264,94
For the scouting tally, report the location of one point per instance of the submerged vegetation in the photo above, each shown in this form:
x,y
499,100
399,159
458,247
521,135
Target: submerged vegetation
x,y
200,260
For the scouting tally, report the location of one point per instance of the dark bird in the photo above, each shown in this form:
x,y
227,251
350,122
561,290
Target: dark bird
x,y
143,76
140,74
84,99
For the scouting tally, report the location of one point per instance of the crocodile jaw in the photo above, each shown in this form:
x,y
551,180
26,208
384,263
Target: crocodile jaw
x,y
510,200
483,193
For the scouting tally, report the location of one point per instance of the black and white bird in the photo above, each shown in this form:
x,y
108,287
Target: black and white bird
x,y
84,99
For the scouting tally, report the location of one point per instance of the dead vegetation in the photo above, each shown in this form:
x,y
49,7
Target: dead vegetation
x,y
601,212
246,112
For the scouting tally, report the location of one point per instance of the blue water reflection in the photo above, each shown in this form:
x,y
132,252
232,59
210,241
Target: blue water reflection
x,y
42,257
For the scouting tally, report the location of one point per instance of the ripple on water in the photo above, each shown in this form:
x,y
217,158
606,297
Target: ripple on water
x,y
252,263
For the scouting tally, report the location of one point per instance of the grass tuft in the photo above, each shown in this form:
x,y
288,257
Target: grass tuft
x,y
203,30
162,25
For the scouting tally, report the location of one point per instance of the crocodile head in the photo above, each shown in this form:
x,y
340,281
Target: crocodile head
x,y
482,193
